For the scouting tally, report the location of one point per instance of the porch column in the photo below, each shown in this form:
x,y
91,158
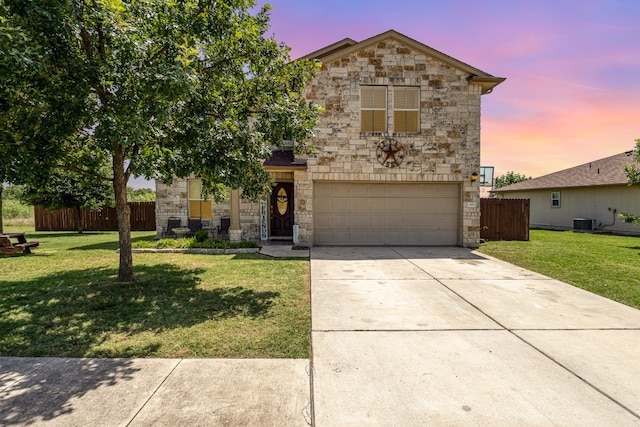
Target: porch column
x,y
235,231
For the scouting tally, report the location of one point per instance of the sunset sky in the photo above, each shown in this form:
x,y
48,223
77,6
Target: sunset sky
x,y
572,92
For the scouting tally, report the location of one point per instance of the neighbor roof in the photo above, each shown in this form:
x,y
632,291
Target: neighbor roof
x,y
607,171
348,46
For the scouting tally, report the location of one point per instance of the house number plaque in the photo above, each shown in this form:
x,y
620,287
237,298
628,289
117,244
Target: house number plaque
x,y
390,153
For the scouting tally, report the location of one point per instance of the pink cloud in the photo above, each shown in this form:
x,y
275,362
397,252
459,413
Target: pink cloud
x,y
572,91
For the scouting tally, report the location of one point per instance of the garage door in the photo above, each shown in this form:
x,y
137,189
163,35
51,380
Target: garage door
x,y
386,214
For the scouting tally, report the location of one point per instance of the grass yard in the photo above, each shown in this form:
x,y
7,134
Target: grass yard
x,y
604,264
63,301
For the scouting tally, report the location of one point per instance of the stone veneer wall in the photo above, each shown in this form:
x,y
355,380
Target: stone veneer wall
x,y
447,149
171,201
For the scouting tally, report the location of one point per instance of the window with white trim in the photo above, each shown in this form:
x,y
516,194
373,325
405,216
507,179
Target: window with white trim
x,y
555,199
373,108
406,109
199,207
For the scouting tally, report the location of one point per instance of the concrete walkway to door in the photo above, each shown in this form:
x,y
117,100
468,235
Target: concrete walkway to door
x,y
447,336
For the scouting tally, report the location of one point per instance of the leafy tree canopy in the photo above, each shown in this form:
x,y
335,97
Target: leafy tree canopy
x,y
72,186
633,173
509,178
160,87
141,195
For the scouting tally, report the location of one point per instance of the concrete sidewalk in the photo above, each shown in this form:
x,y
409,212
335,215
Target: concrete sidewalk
x,y
400,336
153,392
446,336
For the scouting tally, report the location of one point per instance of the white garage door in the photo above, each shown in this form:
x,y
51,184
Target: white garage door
x,y
386,214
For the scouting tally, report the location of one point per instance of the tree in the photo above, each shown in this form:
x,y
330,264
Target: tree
x,y
72,187
141,195
161,87
633,174
509,178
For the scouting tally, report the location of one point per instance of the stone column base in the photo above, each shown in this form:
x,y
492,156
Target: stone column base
x,y
235,235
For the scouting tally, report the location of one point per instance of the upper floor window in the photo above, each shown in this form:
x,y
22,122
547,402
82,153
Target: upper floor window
x,y
373,108
555,199
199,207
406,109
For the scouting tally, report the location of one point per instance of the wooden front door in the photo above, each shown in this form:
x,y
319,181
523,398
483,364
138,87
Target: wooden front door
x,y
282,209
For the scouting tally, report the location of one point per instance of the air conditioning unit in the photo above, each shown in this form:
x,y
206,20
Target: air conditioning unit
x,y
584,224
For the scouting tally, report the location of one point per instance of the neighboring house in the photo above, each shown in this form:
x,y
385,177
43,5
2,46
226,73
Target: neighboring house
x,y
596,191
398,155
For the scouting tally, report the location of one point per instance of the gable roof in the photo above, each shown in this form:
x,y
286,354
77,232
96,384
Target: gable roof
x,y
348,46
332,48
607,171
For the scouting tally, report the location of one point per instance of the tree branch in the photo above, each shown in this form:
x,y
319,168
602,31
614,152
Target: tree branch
x,y
134,153
101,45
83,172
84,34
155,56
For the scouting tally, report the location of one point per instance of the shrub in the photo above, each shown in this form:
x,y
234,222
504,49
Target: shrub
x,y
12,209
201,236
192,243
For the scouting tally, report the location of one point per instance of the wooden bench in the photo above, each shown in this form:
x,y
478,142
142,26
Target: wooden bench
x,y
8,248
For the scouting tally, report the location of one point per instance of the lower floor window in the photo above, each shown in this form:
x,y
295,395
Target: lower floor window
x,y
555,199
199,208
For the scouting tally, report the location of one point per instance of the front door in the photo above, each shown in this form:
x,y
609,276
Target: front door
x,y
282,210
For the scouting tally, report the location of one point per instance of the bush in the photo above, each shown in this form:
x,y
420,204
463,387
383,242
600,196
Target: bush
x,y
13,209
201,236
192,243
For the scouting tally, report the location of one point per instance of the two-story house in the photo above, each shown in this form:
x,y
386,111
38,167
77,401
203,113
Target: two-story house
x,y
397,160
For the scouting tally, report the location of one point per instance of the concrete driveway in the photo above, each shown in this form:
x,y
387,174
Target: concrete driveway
x,y
447,336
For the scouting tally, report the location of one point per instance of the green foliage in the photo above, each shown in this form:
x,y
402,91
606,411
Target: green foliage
x,y
633,173
161,88
193,242
14,209
141,195
66,188
12,192
200,236
509,178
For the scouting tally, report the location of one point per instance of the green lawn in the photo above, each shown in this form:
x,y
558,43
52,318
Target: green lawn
x,y
604,264
63,301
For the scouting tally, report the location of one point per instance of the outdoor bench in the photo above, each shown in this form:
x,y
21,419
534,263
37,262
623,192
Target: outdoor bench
x,y
9,248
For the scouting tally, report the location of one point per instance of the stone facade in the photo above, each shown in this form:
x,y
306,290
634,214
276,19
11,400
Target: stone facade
x,y
171,201
446,148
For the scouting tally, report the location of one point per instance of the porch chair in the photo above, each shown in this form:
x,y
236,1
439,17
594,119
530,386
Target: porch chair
x,y
194,225
223,228
172,222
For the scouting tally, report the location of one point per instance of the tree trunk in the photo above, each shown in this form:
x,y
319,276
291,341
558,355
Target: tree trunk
x,y
123,213
79,219
1,189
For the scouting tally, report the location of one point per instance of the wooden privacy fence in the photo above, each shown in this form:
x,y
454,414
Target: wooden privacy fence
x,y
504,219
143,218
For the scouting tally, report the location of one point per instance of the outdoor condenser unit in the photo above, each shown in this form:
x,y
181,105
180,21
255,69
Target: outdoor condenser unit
x,y
584,224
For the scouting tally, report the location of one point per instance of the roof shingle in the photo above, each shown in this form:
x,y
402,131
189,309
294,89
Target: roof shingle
x,y
284,158
607,171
